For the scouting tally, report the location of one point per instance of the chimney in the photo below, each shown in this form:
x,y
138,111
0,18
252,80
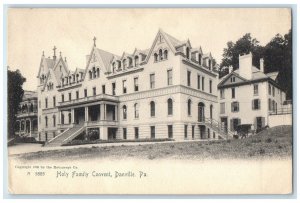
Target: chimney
x,y
245,66
261,65
54,53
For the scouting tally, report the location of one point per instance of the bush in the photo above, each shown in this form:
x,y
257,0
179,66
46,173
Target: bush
x,y
262,151
269,140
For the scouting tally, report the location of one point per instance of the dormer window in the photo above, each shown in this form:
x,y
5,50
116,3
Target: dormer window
x,y
136,61
188,53
200,58
160,55
114,67
155,57
166,54
90,74
98,72
130,62
124,64
209,64
119,65
232,79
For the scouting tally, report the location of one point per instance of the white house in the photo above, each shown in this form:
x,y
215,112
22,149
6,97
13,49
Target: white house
x,y
248,95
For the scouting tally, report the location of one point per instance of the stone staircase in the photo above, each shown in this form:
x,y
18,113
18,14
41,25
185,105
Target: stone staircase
x,y
216,126
65,136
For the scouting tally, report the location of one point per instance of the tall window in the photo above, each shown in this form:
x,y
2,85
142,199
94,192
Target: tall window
x,y
255,104
124,133
185,131
270,89
187,52
62,98
85,92
46,121
136,133
232,93
124,87
170,131
211,111
94,91
54,120
200,58
152,129
270,105
124,64
193,131
198,82
203,80
136,61
160,54
46,102
136,84
222,108
124,112
103,89
113,88
232,79
152,109
136,110
255,89
165,54
189,107
54,101
170,107
188,78
152,81
273,91
70,96
155,57
235,107
210,86
222,95
170,77
77,94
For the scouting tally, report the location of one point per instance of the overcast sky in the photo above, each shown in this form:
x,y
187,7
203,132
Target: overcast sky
x,y
30,31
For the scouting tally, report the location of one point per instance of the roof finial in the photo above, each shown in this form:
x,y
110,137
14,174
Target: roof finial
x,y
95,41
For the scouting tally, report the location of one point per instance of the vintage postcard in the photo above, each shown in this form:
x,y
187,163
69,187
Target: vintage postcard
x,y
150,101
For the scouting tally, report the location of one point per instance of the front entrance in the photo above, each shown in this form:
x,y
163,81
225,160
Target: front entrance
x,y
224,124
112,133
202,131
79,115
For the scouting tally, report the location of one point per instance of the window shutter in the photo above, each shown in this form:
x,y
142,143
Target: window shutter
x,y
231,124
263,122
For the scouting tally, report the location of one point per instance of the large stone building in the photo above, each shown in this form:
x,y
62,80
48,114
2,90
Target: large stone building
x,y
26,124
166,91
249,96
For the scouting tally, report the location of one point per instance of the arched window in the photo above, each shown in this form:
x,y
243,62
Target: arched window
x,y
136,61
155,57
211,111
189,107
31,107
201,113
152,109
136,111
170,107
273,106
160,54
62,118
166,54
70,118
187,52
54,120
94,72
98,72
124,64
77,77
124,112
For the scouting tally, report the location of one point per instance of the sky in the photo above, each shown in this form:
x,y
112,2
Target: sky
x,y
32,31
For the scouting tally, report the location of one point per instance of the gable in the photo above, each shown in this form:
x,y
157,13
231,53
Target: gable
x,y
232,78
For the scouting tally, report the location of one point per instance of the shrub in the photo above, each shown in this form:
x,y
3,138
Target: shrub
x,y
151,157
262,151
269,140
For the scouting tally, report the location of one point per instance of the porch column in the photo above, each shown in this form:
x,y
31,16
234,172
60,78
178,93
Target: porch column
x,y
72,116
104,112
116,112
86,111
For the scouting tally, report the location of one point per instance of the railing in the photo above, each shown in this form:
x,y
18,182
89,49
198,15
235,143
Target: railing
x,y
214,124
88,99
101,122
282,111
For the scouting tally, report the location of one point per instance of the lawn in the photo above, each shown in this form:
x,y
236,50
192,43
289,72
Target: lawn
x,y
271,143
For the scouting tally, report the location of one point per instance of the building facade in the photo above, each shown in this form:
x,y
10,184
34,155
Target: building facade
x,y
249,96
26,123
166,91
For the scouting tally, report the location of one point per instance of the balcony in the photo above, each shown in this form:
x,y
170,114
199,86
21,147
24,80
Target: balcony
x,y
26,114
89,100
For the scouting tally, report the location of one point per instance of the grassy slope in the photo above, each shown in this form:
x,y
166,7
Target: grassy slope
x,y
275,142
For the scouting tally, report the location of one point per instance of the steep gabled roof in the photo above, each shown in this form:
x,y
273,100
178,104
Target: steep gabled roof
x,y
273,75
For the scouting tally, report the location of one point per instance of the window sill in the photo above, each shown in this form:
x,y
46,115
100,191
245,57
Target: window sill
x,y
170,115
